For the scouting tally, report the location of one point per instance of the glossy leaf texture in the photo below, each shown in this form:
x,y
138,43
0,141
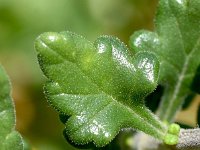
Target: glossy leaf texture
x,y
9,137
176,43
101,86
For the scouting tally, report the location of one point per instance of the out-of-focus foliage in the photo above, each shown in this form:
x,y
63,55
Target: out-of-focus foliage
x,y
21,20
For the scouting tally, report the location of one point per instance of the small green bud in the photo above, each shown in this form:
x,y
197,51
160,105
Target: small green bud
x,y
174,129
170,139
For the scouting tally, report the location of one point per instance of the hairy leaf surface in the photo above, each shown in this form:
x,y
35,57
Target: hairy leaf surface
x,y
101,86
10,139
176,42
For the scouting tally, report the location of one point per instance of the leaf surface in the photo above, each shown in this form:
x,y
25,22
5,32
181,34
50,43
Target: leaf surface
x,y
101,86
176,43
9,137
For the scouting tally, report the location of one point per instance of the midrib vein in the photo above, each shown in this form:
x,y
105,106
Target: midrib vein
x,y
177,89
181,75
161,132
113,100
178,85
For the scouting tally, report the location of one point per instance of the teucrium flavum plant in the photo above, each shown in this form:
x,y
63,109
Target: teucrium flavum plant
x,y
101,86
10,139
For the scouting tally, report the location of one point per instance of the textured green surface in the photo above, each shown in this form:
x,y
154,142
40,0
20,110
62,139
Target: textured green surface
x,y
101,86
174,129
9,138
171,139
176,42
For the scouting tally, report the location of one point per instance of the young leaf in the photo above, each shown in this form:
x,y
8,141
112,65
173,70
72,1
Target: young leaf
x,y
101,86
176,43
9,137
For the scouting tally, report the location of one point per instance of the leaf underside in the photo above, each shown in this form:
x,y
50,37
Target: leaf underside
x,y
176,43
101,86
9,137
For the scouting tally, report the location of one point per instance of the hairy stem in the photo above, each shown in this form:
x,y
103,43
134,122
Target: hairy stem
x,y
189,139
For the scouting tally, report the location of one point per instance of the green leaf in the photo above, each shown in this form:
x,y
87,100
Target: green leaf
x,y
176,43
101,86
9,137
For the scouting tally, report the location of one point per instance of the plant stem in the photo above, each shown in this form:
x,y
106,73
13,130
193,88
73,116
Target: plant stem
x,y
189,139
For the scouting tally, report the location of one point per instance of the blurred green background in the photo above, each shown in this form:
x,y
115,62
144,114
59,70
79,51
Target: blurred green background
x,y
21,21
